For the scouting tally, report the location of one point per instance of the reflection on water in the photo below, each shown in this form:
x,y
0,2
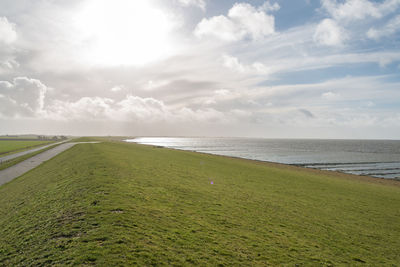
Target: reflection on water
x,y
378,158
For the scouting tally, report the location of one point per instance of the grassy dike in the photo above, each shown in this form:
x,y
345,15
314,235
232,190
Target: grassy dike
x,y
122,204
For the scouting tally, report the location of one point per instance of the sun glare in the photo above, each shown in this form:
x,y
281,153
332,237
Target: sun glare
x,y
124,32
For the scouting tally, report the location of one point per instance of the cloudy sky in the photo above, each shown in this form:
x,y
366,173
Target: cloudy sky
x,y
284,68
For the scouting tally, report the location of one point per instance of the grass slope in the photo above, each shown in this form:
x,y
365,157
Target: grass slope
x,y
12,146
122,204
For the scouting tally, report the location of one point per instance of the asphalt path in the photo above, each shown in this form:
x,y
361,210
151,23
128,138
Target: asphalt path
x,y
17,170
19,154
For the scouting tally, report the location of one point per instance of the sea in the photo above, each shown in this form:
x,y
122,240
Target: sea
x,y
376,158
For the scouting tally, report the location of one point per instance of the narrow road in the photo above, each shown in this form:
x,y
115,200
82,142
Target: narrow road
x,y
17,170
19,154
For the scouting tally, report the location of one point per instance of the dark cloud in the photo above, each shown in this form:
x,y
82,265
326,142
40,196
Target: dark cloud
x,y
306,113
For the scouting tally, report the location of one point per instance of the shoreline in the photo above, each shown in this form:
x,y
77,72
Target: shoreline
x,y
332,174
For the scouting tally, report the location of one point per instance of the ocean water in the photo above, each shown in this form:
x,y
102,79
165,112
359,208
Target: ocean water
x,y
377,158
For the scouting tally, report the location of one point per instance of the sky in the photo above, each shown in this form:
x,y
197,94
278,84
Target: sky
x,y
273,69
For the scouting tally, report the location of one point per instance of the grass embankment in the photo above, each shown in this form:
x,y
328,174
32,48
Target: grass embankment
x,y
120,204
98,138
13,146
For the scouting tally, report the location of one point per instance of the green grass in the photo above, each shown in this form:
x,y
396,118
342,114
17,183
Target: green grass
x,y
7,164
12,146
99,138
83,139
115,204
16,137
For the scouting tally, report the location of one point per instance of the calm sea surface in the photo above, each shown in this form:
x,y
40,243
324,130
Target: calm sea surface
x,y
378,158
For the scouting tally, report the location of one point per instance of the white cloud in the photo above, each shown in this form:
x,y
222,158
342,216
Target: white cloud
x,y
8,34
117,88
8,65
388,29
8,38
23,96
384,61
154,84
369,104
260,68
199,3
234,64
219,27
329,33
134,107
130,109
351,10
243,21
86,108
329,95
222,92
268,7
206,115
256,23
